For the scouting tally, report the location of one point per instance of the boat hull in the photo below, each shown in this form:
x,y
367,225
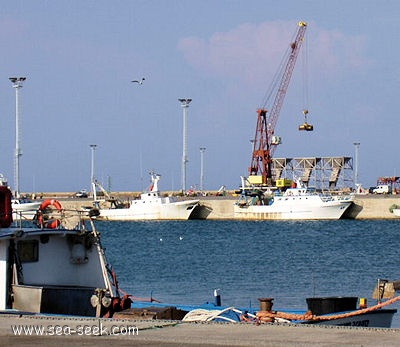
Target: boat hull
x,y
140,210
376,319
381,318
25,210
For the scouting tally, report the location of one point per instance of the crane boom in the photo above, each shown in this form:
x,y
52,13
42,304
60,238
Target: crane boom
x,y
264,141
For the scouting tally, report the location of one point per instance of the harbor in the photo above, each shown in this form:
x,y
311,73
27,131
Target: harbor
x,y
292,250
138,279
207,243
369,206
194,246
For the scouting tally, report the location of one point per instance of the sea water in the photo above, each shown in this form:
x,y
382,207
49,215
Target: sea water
x,y
185,261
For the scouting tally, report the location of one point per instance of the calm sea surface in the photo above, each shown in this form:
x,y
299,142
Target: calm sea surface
x,y
183,262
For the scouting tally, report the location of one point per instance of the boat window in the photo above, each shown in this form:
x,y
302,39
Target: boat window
x,y
28,251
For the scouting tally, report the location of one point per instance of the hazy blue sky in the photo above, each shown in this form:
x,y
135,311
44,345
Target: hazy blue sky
x,y
79,58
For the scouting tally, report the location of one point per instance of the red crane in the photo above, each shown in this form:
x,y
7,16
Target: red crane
x,y
264,140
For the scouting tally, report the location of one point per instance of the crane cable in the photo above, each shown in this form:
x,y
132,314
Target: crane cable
x,y
305,76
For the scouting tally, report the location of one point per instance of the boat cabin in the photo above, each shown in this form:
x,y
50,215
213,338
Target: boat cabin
x,y
45,270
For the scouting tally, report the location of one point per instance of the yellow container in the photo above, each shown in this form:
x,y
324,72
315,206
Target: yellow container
x,y
283,183
255,179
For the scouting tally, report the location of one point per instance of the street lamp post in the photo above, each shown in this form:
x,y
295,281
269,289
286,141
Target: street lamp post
x,y
185,105
357,145
93,148
202,150
17,84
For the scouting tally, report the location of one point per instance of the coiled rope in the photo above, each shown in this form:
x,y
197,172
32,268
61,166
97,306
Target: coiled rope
x,y
266,316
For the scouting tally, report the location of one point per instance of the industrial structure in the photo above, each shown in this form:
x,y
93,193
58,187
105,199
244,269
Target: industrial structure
x,y
265,140
320,172
265,171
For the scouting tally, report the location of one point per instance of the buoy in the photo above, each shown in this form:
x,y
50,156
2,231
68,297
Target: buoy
x,y
217,297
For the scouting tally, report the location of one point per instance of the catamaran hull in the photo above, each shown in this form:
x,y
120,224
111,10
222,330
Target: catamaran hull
x,y
140,210
327,210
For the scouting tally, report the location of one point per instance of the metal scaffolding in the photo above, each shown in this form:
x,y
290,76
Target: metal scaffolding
x,y
322,173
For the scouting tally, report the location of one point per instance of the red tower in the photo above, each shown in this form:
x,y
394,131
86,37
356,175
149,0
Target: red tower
x,y
264,140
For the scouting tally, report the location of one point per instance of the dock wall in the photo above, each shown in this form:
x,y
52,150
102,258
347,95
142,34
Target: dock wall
x,y
219,208
363,207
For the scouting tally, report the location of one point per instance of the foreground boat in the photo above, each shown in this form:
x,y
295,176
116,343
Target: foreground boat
x,y
337,311
55,265
150,206
299,203
373,316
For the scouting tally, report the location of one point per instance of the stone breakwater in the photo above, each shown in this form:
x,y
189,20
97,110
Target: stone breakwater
x,y
221,207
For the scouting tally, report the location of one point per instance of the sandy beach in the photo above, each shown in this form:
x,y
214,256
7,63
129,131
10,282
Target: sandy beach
x,y
60,331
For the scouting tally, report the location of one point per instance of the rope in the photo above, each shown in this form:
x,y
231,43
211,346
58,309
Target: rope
x,y
267,315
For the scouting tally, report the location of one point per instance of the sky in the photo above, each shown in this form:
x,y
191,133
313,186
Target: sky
x,y
79,58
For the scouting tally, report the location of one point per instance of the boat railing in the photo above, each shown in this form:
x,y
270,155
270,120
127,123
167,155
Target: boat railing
x,y
326,197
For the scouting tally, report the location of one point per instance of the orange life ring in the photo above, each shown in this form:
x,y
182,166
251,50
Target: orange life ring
x,y
49,202
51,224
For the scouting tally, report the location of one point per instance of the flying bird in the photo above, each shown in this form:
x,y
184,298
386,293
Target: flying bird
x,y
140,82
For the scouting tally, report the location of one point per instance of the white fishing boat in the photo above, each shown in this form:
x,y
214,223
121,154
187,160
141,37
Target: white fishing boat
x,y
55,265
150,206
396,212
299,203
24,208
